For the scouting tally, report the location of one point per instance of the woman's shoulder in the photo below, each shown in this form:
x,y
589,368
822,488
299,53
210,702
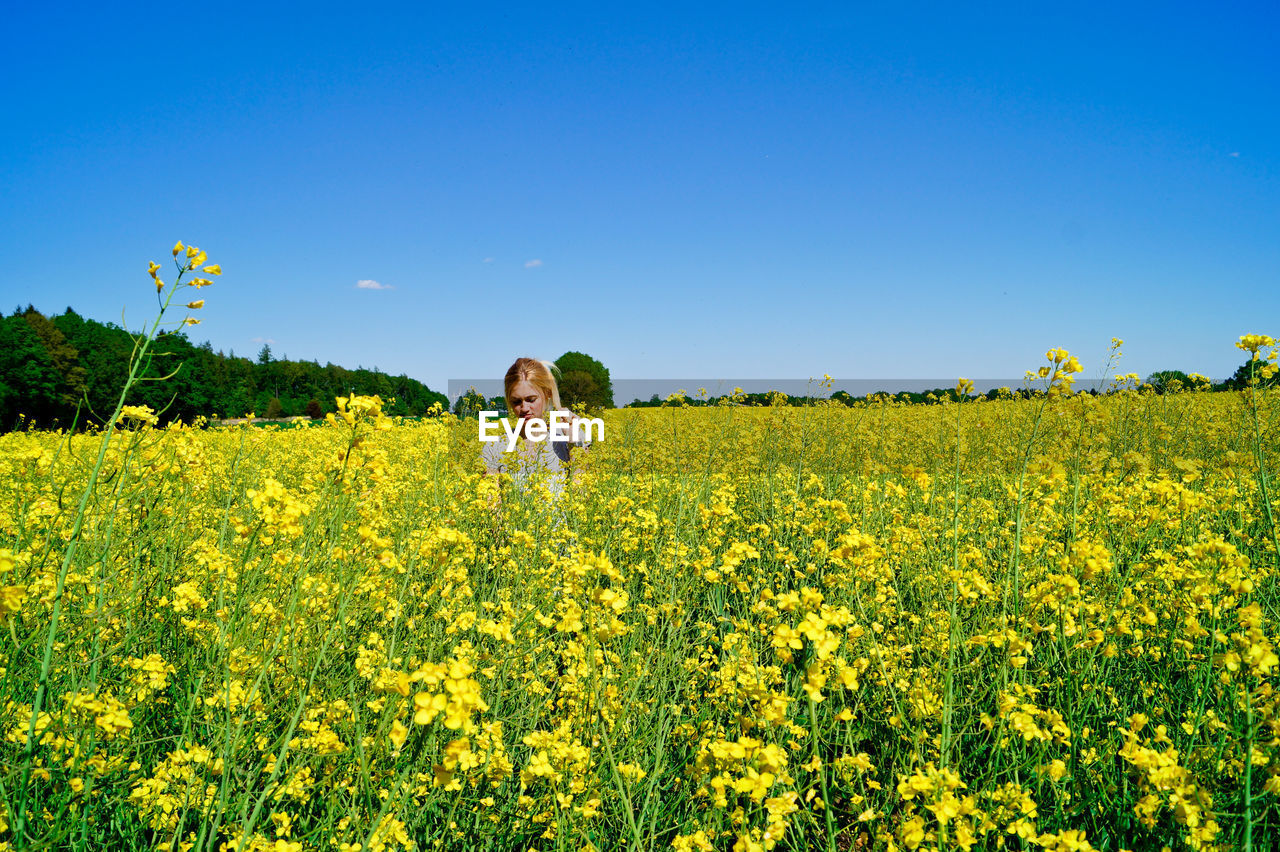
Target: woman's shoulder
x,y
566,418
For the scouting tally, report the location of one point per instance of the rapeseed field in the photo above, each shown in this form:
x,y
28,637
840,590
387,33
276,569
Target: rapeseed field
x,y
1045,623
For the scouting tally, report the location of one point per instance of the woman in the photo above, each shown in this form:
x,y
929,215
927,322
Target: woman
x,y
532,395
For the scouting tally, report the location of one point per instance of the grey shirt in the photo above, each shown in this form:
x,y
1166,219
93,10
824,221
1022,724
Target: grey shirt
x,y
531,458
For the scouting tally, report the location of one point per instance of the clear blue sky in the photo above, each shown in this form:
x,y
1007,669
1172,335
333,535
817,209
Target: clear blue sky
x,y
867,190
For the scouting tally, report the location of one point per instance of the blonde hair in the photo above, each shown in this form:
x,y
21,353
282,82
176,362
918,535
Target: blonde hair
x,y
540,374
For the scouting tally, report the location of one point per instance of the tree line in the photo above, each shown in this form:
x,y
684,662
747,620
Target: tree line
x,y
1160,382
63,370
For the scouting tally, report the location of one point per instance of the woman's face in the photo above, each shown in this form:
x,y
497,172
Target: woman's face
x,y
527,402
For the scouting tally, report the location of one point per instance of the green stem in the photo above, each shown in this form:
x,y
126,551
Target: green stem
x,y
136,364
949,699
822,773
1012,578
1262,469
1248,767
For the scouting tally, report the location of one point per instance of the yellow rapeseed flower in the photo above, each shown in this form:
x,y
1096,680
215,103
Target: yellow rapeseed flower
x,y
1253,342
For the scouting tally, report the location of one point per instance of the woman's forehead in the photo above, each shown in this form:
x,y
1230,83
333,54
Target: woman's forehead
x,y
523,389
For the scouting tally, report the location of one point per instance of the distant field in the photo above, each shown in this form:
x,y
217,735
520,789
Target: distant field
x,y
1047,623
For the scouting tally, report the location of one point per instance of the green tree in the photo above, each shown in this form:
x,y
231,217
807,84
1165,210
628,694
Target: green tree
x,y
579,387
62,354
470,404
274,409
843,397
1163,381
28,378
104,354
601,396
1240,378
48,366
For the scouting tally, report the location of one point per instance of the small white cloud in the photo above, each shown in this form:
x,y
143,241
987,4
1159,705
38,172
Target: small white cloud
x,y
264,340
1234,154
487,260
370,284
532,264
